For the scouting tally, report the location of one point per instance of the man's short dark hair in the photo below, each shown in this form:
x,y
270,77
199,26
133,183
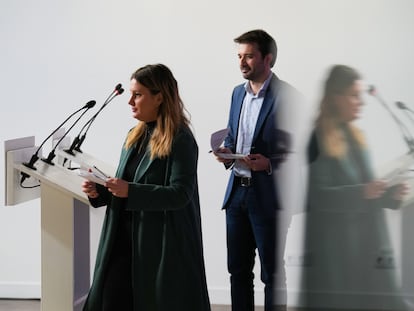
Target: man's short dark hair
x,y
265,43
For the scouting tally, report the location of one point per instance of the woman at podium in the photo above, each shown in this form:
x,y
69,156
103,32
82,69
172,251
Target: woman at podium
x,y
150,255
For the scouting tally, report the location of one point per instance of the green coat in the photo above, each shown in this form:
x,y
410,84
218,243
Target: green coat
x,y
336,184
168,265
345,233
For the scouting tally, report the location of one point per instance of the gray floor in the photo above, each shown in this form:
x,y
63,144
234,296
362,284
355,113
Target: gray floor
x,y
19,305
34,305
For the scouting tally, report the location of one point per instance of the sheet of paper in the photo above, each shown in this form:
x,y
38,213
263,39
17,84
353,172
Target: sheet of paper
x,y
230,155
93,174
217,138
398,176
216,141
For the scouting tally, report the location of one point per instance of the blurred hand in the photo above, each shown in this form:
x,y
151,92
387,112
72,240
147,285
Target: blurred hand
x,y
257,162
89,188
118,187
401,190
375,189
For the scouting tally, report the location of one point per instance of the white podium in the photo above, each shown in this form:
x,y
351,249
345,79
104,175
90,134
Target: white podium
x,y
65,249
65,265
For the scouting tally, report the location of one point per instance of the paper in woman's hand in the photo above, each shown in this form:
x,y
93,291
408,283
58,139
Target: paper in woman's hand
x,y
93,174
398,176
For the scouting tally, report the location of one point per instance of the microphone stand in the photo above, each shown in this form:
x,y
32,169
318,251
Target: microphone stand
x,y
78,140
52,154
403,129
35,156
402,106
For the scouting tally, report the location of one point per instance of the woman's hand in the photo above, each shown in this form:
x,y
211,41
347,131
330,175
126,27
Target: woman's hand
x,y
375,189
118,187
400,191
89,188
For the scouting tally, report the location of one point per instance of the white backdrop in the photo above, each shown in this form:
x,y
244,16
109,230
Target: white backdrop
x,y
57,55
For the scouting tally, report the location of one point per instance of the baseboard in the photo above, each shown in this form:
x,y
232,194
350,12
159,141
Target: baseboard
x,y
349,300
20,290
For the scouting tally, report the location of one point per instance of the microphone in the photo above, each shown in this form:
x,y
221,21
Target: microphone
x,y
408,138
52,154
406,109
78,140
35,156
403,106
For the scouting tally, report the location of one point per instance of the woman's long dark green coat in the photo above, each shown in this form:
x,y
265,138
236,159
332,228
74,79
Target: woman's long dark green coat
x,y
344,231
168,265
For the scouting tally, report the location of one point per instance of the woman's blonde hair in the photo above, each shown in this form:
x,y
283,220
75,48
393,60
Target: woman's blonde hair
x,y
171,114
328,122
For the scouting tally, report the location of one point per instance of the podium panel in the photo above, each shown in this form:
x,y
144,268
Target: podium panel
x,y
17,151
64,249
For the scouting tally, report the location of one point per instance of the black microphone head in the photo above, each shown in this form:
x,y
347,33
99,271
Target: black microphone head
x,y
401,105
120,91
90,104
118,86
371,90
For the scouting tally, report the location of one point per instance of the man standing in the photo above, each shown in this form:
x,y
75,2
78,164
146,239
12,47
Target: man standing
x,y
251,201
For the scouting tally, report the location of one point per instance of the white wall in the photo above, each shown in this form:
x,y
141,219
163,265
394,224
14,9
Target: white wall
x,y
57,55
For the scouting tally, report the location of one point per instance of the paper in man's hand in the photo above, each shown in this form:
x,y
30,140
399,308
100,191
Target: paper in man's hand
x,y
216,141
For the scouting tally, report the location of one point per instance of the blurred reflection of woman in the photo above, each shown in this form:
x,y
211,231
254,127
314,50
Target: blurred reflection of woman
x,y
346,228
